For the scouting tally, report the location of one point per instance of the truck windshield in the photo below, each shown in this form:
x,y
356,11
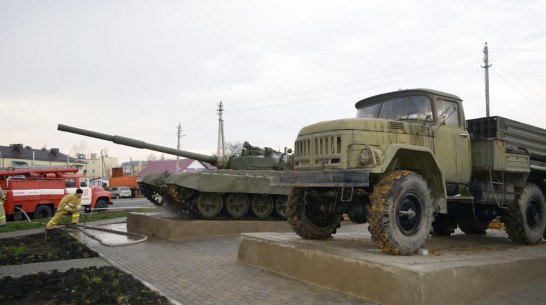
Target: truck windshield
x,y
398,108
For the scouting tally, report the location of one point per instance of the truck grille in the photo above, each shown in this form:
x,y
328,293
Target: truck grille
x,y
318,150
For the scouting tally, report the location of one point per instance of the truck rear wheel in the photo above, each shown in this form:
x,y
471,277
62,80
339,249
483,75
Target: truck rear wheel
x,y
42,211
400,214
306,217
525,218
101,206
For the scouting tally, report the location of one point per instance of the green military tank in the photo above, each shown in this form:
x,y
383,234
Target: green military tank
x,y
238,189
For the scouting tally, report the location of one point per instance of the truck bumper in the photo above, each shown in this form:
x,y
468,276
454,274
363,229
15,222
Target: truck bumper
x,y
322,178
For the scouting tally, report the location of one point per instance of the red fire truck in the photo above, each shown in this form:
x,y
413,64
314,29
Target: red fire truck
x,y
38,191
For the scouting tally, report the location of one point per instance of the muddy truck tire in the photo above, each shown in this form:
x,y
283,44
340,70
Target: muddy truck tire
x,y
306,218
525,218
400,213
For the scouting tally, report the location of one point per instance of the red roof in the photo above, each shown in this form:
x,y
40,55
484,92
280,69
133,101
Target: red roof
x,y
170,166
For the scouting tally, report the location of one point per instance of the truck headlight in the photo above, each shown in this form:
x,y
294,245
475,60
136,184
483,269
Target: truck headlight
x,y
366,156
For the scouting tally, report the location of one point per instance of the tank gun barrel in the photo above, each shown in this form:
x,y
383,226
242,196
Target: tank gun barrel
x,y
139,144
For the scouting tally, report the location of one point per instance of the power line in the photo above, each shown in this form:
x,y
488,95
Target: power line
x,y
453,67
466,51
520,81
517,90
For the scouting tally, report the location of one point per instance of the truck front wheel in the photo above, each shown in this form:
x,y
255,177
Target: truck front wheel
x,y
307,218
400,213
525,218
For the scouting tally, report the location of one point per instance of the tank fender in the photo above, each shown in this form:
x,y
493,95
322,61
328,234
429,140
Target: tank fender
x,y
420,160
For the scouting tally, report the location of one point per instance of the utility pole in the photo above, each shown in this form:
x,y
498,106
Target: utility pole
x,y
486,67
101,165
220,130
179,134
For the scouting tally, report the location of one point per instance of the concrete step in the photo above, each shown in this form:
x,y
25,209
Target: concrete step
x,y
155,225
458,269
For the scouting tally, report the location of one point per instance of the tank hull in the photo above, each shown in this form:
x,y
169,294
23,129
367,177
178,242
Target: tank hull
x,y
217,194
228,181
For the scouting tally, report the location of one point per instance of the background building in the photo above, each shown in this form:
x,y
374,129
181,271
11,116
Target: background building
x,y
137,166
99,166
17,155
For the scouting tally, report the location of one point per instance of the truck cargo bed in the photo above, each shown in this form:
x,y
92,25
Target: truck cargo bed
x,y
515,134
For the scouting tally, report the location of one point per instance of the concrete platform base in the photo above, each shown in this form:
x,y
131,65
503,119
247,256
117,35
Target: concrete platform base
x,y
155,225
458,269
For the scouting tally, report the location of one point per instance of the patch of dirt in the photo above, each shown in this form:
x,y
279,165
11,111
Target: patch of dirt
x,y
35,249
105,285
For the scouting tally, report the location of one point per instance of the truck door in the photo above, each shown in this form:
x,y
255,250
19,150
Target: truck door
x,y
72,184
452,142
87,195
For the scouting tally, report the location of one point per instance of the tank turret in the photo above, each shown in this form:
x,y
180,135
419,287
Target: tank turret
x,y
239,189
250,158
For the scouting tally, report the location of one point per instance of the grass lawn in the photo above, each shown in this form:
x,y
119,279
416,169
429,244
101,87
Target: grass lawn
x,y
88,217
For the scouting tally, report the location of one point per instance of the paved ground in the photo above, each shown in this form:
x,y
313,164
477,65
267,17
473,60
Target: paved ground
x,y
206,271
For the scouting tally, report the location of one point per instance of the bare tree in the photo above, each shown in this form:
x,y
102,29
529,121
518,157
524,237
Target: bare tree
x,y
78,149
233,148
151,157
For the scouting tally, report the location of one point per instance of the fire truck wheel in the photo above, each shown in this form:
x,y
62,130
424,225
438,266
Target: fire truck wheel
x,y
43,211
101,206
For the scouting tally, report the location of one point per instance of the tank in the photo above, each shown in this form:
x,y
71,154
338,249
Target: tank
x,y
238,189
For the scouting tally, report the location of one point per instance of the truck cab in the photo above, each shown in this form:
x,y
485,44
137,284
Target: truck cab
x,y
407,160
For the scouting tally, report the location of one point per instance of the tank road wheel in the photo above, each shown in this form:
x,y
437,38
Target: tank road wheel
x,y
42,211
470,225
306,217
525,218
262,206
209,204
237,205
280,206
444,225
400,214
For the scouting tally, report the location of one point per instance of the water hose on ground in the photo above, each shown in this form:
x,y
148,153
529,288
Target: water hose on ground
x,y
83,228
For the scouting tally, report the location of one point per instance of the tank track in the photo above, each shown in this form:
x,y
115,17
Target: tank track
x,y
152,193
189,205
171,199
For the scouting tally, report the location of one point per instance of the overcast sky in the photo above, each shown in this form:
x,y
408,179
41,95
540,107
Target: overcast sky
x,y
140,68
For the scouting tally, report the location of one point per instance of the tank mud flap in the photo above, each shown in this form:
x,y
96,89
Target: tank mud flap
x,y
322,178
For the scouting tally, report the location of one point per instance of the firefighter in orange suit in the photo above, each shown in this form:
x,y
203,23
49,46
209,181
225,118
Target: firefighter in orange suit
x,y
69,204
2,211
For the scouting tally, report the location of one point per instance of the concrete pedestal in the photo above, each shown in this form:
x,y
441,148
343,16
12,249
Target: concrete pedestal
x,y
458,269
172,229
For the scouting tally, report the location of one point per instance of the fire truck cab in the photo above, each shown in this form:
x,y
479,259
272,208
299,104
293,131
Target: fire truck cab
x,y
38,191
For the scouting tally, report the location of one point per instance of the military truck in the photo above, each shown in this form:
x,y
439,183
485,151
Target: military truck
x,y
410,162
